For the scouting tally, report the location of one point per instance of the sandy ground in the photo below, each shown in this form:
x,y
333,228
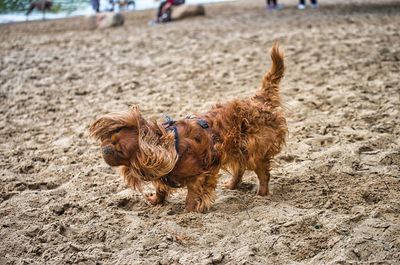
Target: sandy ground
x,y
336,186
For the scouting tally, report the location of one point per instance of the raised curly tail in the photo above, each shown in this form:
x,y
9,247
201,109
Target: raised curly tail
x,y
271,80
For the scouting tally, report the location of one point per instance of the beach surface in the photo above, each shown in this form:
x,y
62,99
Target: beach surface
x,y
335,187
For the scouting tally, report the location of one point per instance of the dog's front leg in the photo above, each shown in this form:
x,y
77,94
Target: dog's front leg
x,y
201,192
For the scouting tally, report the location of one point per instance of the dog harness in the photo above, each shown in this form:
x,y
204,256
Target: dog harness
x,y
169,125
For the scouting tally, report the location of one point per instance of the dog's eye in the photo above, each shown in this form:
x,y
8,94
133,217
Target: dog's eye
x,y
114,138
118,147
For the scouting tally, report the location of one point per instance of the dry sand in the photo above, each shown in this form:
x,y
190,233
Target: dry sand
x,y
336,186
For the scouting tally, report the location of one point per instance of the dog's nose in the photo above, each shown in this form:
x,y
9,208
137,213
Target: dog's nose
x,y
107,150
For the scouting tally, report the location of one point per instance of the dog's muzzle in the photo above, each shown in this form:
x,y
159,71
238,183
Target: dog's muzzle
x,y
107,151
111,156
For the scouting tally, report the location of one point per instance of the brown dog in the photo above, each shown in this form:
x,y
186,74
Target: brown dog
x,y
42,5
236,136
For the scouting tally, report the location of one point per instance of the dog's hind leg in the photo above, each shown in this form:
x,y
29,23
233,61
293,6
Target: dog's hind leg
x,y
201,192
263,175
234,181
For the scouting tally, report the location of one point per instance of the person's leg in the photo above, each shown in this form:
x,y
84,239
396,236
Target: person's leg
x,y
96,5
302,4
271,4
164,12
314,3
112,4
160,9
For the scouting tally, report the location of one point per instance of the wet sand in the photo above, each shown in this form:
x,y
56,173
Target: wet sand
x,y
335,187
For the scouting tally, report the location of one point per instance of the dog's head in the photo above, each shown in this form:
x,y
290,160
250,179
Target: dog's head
x,y
128,140
118,133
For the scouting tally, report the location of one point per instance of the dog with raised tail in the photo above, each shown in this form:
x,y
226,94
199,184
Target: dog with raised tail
x,y
235,136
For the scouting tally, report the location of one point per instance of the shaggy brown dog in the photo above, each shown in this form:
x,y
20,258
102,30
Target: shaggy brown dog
x,y
235,136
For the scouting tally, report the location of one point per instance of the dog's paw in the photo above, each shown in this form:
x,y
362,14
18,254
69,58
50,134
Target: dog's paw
x,y
231,184
153,199
264,193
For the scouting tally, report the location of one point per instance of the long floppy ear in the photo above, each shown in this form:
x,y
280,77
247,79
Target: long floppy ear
x,y
108,123
157,155
131,178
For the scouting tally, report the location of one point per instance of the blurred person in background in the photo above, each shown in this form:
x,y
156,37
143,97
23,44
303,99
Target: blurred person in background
x,y
272,4
165,10
95,5
302,4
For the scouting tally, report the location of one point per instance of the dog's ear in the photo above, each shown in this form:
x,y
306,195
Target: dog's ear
x,y
111,122
157,155
131,178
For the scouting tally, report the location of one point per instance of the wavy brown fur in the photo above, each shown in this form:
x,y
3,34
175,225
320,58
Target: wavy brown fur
x,y
157,156
242,135
154,153
251,132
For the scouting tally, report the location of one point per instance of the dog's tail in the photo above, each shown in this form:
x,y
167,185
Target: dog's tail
x,y
270,82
